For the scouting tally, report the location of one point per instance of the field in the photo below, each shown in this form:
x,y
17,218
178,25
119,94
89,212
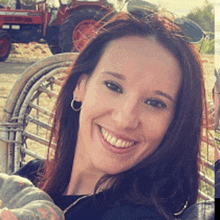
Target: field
x,y
34,52
21,53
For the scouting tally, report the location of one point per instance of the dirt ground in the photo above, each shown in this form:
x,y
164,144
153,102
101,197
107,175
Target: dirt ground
x,y
20,58
29,52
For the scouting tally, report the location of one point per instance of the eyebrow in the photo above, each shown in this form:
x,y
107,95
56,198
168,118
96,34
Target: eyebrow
x,y
165,95
117,75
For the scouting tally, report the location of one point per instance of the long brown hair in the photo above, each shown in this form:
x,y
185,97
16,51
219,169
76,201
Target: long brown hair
x,y
168,178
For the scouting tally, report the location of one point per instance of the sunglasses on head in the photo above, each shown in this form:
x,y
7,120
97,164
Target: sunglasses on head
x,y
192,32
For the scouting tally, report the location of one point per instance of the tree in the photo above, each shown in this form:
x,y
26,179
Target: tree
x,y
107,3
204,16
4,3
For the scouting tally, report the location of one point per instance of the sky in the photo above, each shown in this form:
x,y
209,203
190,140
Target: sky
x,y
178,7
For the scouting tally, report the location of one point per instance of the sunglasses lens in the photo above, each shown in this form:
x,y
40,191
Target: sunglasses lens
x,y
192,31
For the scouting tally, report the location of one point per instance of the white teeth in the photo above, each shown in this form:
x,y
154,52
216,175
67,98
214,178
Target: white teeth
x,y
109,138
105,134
116,142
113,141
123,143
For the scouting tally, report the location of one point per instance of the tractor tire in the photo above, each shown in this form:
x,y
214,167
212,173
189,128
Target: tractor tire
x,y
5,45
54,49
52,39
74,30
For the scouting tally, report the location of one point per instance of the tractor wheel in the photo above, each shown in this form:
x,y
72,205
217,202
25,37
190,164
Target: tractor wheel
x,y
54,49
78,28
52,39
5,45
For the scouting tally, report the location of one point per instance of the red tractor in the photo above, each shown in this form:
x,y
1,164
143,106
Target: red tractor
x,y
64,28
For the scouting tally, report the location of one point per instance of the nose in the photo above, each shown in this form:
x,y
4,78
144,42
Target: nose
x,y
126,114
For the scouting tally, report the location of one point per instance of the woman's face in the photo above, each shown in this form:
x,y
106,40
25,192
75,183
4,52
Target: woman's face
x,y
127,104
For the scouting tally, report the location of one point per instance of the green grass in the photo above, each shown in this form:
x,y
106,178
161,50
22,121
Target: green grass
x,y
207,46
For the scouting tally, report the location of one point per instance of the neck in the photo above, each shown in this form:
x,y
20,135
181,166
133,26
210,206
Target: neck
x,y
82,181
84,175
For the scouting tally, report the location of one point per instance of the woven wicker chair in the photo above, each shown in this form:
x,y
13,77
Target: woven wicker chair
x,y
27,113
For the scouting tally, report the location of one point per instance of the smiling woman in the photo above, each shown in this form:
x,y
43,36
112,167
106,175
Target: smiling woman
x,y
127,125
127,106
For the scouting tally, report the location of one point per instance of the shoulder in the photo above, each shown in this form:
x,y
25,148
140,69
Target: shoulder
x,y
133,212
202,210
31,169
217,179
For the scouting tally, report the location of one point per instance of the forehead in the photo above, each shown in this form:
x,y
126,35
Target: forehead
x,y
138,53
143,62
139,48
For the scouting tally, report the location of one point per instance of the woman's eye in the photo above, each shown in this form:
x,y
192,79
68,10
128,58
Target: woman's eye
x,y
156,103
113,86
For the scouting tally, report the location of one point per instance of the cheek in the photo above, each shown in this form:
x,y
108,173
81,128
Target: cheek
x,y
95,101
154,133
94,105
156,126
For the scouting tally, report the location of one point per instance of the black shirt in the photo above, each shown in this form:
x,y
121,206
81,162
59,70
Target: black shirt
x,y
91,207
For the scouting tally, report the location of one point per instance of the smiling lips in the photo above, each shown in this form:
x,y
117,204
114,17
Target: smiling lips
x,y
116,142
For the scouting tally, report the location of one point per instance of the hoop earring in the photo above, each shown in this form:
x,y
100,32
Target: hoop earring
x,y
73,102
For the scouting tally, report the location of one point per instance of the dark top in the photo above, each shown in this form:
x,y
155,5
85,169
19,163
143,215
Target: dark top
x,y
92,207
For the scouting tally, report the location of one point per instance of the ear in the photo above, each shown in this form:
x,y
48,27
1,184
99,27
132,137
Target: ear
x,y
80,89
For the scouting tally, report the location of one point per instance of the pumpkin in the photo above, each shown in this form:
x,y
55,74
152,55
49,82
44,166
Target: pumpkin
x,y
21,200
